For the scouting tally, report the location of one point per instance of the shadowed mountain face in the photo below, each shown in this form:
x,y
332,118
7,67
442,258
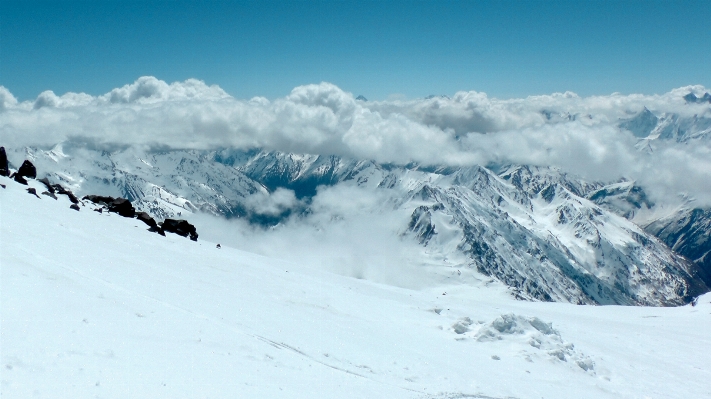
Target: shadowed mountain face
x,y
692,98
547,235
687,233
642,124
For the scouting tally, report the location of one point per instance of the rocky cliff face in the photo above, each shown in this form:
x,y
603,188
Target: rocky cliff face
x,y
687,232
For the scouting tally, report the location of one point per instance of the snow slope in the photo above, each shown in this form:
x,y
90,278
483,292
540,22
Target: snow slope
x,y
94,305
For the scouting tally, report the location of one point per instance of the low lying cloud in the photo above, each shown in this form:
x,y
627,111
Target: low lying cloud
x,y
578,134
349,232
272,204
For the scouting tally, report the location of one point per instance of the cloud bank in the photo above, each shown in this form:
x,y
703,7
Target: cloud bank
x,y
579,135
348,232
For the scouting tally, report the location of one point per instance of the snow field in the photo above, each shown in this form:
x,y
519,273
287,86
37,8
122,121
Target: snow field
x,y
96,306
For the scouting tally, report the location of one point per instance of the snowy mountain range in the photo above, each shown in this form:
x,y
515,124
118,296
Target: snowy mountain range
x,y
667,126
546,234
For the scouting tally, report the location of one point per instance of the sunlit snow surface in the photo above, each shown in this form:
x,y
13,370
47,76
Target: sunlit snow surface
x,y
95,306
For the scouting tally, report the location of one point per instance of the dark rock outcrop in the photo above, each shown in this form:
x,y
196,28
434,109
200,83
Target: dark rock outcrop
x,y
180,227
122,206
158,230
49,194
421,224
4,167
99,199
74,206
18,178
61,190
27,170
47,184
147,219
32,191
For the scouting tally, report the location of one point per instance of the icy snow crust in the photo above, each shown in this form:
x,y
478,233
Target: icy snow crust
x,y
93,305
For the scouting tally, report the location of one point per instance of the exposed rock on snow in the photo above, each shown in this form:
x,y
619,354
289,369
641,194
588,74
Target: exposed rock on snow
x,y
4,168
59,189
180,227
27,170
147,219
47,184
32,191
19,179
122,206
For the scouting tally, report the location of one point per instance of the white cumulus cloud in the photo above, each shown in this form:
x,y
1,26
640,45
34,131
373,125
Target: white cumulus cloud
x,y
579,134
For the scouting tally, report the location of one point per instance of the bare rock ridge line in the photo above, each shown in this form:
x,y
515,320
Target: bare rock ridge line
x,y
121,206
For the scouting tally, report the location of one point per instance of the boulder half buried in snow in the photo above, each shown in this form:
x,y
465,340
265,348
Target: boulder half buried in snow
x,y
122,206
147,219
27,170
18,178
180,227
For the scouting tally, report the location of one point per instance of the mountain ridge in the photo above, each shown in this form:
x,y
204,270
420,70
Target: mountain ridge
x,y
542,232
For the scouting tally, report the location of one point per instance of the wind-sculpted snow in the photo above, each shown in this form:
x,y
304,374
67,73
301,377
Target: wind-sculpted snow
x,y
544,341
537,230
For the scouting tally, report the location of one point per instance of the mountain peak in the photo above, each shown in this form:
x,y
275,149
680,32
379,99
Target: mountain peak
x,y
692,98
641,124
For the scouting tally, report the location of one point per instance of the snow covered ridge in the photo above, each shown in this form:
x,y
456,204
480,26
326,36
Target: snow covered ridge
x,y
93,305
545,234
120,206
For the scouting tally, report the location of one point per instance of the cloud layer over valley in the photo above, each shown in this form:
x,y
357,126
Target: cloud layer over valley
x,y
580,135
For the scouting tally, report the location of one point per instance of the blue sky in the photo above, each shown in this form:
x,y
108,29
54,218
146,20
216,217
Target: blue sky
x,y
375,48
